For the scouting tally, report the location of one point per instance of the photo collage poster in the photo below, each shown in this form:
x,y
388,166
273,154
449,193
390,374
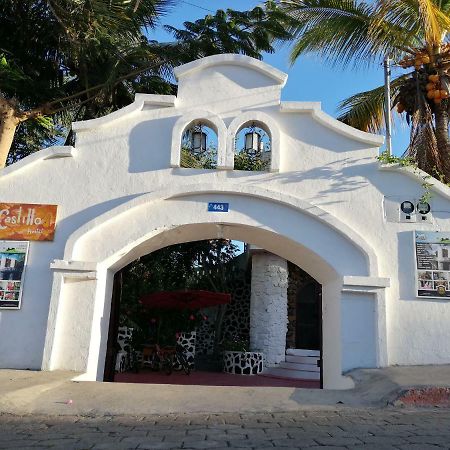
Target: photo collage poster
x,y
433,264
13,258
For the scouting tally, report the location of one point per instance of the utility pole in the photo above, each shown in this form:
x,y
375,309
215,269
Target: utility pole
x,y
387,104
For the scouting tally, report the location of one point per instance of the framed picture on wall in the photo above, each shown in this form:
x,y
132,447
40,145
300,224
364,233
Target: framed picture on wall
x,y
432,264
13,260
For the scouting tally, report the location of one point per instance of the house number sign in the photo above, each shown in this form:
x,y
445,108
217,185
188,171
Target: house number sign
x,y
218,207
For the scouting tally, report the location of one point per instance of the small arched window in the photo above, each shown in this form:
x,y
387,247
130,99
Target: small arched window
x,y
253,147
199,146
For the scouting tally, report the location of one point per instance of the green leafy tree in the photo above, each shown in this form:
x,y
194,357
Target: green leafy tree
x,y
77,59
247,32
82,59
251,161
413,33
203,265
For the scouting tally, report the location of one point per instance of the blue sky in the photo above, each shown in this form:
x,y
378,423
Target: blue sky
x,y
309,78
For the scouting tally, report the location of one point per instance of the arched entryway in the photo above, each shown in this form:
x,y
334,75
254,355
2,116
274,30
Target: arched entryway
x,y
258,289
288,227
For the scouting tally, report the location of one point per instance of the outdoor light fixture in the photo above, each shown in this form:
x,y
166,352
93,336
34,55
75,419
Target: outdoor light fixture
x,y
423,208
199,140
253,141
407,207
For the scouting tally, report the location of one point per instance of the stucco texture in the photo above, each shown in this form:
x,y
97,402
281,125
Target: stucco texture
x,y
120,195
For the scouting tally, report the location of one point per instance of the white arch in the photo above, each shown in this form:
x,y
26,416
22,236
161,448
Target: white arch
x,y
269,123
177,215
211,120
252,191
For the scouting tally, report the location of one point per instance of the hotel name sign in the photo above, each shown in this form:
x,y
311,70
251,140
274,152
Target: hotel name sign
x,y
27,222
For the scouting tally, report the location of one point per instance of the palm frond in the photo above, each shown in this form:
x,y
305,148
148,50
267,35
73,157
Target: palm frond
x,y
341,32
365,110
422,19
247,32
434,21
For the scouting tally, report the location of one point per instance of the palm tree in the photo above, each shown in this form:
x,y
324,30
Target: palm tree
x,y
411,32
247,32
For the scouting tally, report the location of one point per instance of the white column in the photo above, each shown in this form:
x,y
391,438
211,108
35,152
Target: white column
x,y
70,316
268,307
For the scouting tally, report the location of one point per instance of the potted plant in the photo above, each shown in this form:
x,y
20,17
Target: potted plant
x,y
238,359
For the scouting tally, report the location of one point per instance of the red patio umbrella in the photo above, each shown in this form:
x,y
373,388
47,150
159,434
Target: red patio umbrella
x,y
184,299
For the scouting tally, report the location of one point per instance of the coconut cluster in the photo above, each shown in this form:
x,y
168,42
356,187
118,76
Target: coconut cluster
x,y
422,57
429,78
417,61
435,90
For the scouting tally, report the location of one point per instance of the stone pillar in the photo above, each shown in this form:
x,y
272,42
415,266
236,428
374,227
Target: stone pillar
x,y
268,307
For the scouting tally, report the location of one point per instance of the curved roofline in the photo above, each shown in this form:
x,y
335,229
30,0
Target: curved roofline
x,y
314,108
55,152
140,100
233,59
420,176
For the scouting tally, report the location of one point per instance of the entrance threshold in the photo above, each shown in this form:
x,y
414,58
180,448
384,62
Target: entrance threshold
x,y
203,378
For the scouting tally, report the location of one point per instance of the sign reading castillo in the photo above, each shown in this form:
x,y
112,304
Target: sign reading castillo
x,y
27,222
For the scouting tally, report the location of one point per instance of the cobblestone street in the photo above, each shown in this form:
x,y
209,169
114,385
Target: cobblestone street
x,y
343,429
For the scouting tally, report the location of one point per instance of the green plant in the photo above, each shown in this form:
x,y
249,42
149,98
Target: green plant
x,y
386,158
244,160
235,344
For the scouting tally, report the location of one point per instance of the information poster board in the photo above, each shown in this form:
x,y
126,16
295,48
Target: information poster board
x,y
13,259
433,264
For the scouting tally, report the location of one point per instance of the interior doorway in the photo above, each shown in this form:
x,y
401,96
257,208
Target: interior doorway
x,y
304,339
309,317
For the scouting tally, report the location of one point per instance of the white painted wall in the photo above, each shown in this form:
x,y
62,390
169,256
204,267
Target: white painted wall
x,y
358,331
321,209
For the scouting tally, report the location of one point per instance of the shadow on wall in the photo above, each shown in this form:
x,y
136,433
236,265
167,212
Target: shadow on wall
x,y
344,175
71,223
308,131
243,78
150,144
316,236
33,311
245,87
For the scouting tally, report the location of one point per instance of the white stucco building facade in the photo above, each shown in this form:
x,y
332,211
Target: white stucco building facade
x,y
327,205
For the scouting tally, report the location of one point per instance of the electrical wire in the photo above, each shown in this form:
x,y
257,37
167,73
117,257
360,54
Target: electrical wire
x,y
196,6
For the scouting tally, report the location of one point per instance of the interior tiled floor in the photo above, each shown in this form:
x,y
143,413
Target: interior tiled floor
x,y
204,378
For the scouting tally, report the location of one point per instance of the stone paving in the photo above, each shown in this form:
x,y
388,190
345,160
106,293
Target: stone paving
x,y
340,429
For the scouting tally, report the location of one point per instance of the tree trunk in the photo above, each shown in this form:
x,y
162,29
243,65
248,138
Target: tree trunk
x,y
8,124
442,138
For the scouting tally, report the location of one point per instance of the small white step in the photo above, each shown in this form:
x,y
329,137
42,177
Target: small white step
x,y
292,374
296,366
302,352
302,359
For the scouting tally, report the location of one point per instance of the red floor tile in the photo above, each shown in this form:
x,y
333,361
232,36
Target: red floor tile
x,y
200,378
